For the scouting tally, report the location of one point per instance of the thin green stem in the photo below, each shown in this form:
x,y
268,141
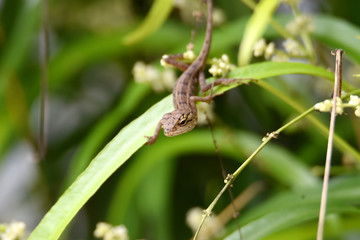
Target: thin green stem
x,y
252,156
339,142
207,212
231,177
307,112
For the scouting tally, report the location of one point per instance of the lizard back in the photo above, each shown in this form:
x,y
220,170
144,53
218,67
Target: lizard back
x,y
185,86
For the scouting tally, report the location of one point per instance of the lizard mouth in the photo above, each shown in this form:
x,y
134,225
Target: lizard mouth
x,y
177,129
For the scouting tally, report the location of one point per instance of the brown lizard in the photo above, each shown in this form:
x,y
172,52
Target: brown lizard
x,y
184,117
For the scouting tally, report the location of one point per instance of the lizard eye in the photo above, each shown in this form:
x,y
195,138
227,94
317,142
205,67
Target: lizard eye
x,y
182,120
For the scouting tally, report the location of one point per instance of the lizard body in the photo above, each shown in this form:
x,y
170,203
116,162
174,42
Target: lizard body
x,y
184,117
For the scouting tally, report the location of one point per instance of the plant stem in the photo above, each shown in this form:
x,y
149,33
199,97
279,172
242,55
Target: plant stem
x,y
337,93
231,177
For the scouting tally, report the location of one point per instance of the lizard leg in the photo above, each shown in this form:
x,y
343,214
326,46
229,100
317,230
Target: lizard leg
x,y
203,85
221,81
207,98
224,81
174,61
151,140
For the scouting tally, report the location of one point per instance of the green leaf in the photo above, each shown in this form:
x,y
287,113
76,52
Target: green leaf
x,y
6,132
255,29
130,99
18,43
285,218
104,164
291,208
158,202
338,33
83,52
305,231
276,162
271,69
333,31
159,11
130,139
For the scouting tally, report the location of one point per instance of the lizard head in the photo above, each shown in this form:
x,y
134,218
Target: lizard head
x,y
178,122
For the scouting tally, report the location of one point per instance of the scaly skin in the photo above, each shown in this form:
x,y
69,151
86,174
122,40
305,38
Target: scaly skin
x,y
184,117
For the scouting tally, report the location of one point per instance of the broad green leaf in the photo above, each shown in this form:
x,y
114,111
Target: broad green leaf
x,y
291,208
270,69
255,29
104,164
133,95
287,217
349,225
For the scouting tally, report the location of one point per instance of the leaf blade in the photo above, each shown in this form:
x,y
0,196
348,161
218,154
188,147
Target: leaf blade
x,y
255,28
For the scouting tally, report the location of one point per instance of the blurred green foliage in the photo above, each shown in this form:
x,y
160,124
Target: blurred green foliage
x,y
92,96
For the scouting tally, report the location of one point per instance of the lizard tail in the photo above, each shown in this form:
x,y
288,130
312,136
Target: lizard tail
x,y
207,41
